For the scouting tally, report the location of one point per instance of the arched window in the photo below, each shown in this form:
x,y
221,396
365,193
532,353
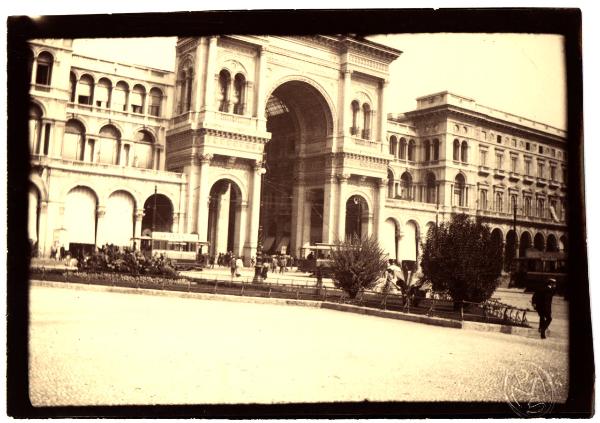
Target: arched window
x,y
483,199
189,75
109,145
540,208
366,133
72,86
464,152
393,145
144,149
35,129
73,141
102,93
224,82
85,90
155,101
354,130
239,102
430,189
119,97
402,149
513,203
138,97
427,150
436,149
456,150
43,74
459,190
181,90
527,206
411,151
499,202
406,186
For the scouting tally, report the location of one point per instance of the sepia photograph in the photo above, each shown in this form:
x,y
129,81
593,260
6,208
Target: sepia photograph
x,y
333,222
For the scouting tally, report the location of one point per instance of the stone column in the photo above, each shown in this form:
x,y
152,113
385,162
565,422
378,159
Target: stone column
x,y
222,222
370,224
203,197
346,104
209,90
100,229
297,216
343,181
306,218
239,239
176,222
380,209
328,210
252,235
138,216
43,242
262,82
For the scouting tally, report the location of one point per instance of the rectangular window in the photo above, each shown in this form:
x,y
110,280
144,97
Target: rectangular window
x,y
499,161
91,145
42,76
553,173
499,139
527,168
540,170
527,146
540,149
136,108
84,99
46,139
514,142
513,163
482,157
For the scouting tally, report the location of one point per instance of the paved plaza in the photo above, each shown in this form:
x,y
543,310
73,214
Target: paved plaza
x,y
94,347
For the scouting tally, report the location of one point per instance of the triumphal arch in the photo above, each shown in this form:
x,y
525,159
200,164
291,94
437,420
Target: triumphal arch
x,y
285,133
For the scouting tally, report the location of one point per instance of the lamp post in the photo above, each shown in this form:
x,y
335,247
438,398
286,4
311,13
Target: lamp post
x,y
259,243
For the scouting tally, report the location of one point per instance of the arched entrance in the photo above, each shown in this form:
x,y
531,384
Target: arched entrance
x,y
538,242
510,249
551,243
409,242
80,220
525,243
389,243
119,219
34,217
357,217
224,217
163,221
299,121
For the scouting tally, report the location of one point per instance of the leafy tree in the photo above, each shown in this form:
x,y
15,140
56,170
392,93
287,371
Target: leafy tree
x,y
357,264
462,258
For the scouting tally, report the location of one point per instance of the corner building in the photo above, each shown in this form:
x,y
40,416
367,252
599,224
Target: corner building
x,y
287,133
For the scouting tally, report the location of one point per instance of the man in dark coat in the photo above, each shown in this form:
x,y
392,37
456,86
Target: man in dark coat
x,y
542,302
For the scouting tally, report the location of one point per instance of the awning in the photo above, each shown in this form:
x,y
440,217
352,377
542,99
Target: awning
x,y
284,241
268,243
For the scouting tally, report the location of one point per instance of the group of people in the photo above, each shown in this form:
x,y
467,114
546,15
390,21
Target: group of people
x,y
59,253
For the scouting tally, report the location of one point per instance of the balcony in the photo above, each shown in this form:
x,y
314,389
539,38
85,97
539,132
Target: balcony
x,y
528,179
514,177
484,170
541,182
499,174
553,184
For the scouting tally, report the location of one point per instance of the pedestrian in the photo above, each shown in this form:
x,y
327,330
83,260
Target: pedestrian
x,y
212,261
284,263
232,266
62,252
273,263
265,269
238,266
542,303
53,252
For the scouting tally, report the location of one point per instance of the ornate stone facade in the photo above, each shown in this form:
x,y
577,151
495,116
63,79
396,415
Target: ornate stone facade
x,y
291,133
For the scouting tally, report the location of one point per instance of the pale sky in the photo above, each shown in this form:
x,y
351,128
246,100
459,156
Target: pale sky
x,y
523,74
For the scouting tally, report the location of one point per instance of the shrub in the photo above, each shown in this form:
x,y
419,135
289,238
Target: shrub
x,y
110,258
357,263
461,257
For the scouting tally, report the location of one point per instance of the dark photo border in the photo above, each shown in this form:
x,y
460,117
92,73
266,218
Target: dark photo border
x,y
566,22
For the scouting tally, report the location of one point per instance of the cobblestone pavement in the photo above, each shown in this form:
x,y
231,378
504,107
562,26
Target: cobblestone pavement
x,y
110,348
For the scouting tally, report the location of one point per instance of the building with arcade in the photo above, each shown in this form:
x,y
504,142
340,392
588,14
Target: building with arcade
x,y
290,134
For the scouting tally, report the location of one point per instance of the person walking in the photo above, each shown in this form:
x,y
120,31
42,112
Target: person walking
x,y
232,266
542,303
238,266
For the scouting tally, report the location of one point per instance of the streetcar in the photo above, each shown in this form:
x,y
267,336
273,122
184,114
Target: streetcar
x,y
185,251
533,271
